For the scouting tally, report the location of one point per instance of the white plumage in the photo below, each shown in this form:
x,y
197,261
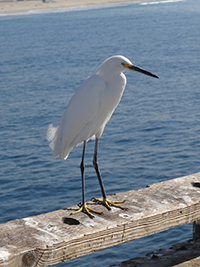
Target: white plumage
x,y
86,115
90,108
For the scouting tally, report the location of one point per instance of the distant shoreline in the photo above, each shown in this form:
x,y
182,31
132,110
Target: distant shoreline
x,y
34,5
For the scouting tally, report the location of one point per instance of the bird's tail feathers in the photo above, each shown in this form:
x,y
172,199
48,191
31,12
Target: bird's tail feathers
x,y
51,135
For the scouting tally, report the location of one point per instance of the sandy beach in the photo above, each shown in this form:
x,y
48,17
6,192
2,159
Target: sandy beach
x,y
23,6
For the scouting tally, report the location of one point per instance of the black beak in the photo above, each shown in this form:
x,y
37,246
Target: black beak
x,y
134,68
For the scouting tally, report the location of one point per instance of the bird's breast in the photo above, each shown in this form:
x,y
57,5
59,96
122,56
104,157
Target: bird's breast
x,y
112,94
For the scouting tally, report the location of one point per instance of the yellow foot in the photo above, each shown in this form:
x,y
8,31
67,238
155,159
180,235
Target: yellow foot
x,y
86,209
109,203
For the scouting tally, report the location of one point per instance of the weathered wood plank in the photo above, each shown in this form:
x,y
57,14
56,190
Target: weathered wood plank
x,y
45,240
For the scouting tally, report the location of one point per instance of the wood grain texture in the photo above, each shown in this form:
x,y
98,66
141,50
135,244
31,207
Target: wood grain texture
x,y
48,239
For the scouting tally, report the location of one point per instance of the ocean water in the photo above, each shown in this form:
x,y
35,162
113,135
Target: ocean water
x,y
152,136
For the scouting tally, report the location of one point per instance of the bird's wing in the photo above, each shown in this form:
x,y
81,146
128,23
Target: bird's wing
x,y
82,107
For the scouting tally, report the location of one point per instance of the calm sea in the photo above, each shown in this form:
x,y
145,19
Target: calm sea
x,y
154,134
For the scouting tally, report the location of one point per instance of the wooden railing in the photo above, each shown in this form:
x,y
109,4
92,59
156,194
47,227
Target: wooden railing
x,y
50,238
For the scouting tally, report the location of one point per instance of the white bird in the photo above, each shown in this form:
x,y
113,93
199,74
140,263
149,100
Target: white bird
x,y
87,114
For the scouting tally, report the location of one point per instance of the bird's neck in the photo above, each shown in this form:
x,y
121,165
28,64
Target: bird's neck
x,y
113,77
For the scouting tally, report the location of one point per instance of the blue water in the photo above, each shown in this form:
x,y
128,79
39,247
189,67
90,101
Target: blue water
x,y
153,135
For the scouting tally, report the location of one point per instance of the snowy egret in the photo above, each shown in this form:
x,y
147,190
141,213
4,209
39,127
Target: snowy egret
x,y
87,114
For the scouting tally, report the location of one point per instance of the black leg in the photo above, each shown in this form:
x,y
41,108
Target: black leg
x,y
83,206
82,166
105,201
95,164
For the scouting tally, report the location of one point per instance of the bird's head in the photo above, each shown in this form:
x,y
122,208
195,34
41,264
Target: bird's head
x,y
121,64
